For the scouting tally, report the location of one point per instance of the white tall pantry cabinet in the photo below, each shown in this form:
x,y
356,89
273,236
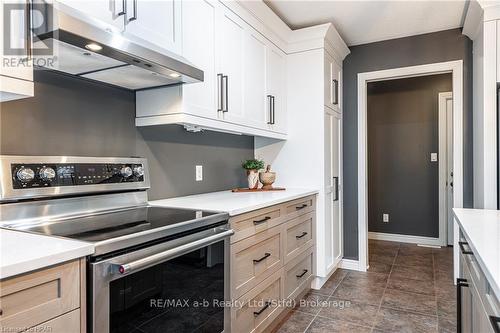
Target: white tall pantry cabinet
x,y
312,155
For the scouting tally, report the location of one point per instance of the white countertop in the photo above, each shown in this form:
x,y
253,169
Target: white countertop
x,y
482,231
233,203
22,252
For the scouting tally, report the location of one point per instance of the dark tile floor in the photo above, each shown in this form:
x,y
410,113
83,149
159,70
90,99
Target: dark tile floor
x,y
407,289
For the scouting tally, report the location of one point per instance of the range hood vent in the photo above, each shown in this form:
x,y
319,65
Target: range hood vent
x,y
68,41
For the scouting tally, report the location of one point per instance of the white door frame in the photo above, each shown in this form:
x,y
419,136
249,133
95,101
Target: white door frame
x,y
445,148
453,67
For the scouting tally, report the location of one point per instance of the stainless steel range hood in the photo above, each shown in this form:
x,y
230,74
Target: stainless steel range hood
x,y
85,47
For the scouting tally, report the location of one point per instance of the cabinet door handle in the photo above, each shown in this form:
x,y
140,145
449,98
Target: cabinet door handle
x,y
462,248
124,8
301,235
301,207
266,305
274,110
336,192
335,99
495,322
262,221
266,255
302,274
460,283
270,101
219,92
225,81
134,7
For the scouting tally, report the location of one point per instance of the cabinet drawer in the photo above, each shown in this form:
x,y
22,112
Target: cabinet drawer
x,y
298,273
31,299
258,308
298,235
249,224
299,207
254,259
67,323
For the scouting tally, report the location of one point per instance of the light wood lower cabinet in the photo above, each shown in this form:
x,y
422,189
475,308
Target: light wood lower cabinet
x,y
49,299
272,256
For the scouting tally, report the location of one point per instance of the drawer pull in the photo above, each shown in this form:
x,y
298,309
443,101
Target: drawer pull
x,y
302,274
1,312
302,235
301,207
266,255
266,305
495,322
462,248
256,222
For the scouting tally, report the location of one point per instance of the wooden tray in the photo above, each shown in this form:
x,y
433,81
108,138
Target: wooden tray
x,y
258,189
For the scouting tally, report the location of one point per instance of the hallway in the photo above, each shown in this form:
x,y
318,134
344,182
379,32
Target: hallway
x,y
406,289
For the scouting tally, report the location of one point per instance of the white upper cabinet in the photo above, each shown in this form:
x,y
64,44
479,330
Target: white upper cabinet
x,y
254,84
198,39
158,22
230,31
108,11
332,83
276,89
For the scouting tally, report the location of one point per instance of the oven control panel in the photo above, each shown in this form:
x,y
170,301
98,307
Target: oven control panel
x,y
36,175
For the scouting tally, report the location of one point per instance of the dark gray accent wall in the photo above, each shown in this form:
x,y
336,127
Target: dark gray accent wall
x,y
409,51
70,116
403,130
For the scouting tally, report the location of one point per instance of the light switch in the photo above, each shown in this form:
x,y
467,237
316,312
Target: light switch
x,y
199,173
434,157
385,218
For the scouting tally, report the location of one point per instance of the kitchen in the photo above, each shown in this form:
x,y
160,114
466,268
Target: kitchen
x,y
117,209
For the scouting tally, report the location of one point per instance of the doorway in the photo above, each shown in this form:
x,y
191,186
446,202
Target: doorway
x,y
456,70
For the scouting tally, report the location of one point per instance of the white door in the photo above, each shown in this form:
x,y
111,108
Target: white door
x,y
332,78
108,11
333,186
198,39
157,22
276,89
230,34
446,168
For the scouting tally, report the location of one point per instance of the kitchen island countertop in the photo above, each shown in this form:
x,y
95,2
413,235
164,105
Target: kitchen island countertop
x,y
234,203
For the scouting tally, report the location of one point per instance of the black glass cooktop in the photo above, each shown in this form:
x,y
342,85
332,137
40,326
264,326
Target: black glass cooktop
x,y
116,224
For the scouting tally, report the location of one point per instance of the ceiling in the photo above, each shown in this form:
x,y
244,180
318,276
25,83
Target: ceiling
x,y
361,22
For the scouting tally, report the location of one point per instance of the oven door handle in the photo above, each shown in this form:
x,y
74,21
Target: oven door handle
x,y
157,258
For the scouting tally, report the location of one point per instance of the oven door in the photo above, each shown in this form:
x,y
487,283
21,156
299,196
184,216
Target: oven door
x,y
176,286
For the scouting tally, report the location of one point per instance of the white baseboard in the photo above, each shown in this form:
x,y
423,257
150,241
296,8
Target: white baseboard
x,y
405,238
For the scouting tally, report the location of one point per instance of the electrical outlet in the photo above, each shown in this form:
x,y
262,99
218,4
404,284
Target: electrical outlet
x,y
385,218
199,173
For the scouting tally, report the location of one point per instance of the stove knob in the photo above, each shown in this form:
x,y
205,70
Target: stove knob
x,y
139,171
126,172
47,173
25,174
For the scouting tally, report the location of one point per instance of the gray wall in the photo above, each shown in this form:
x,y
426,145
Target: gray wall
x,y
415,50
71,116
403,128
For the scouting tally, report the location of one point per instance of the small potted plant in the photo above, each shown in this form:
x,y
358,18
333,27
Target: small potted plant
x,y
252,167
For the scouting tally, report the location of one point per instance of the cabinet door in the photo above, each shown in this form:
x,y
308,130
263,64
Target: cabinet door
x,y
333,213
198,39
332,83
255,103
230,34
108,11
157,22
276,87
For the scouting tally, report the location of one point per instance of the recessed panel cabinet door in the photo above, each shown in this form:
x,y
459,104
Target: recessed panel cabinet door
x,y
157,22
198,44
276,87
332,83
108,11
333,214
254,84
230,34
